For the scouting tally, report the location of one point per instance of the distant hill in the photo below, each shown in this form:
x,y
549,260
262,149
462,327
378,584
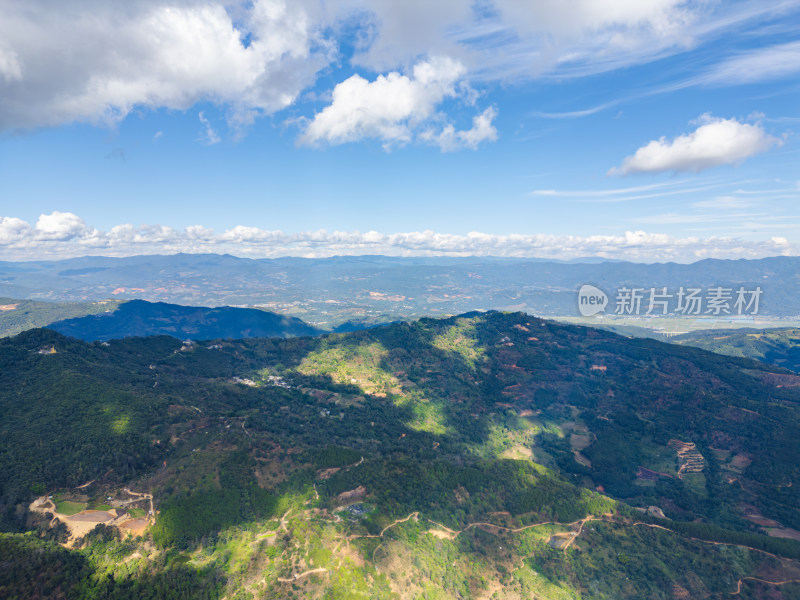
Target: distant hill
x,y
776,346
18,315
330,291
138,318
360,324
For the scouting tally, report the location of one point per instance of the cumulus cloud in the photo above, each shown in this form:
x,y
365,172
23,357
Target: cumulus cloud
x,y
715,142
61,235
95,61
242,234
60,226
389,108
13,230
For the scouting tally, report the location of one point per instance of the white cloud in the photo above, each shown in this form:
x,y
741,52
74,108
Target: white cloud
x,y
13,230
60,226
715,142
255,58
112,57
449,139
62,235
199,232
396,33
245,235
393,106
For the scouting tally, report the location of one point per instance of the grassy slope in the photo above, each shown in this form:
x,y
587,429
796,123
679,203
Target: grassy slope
x,y
776,346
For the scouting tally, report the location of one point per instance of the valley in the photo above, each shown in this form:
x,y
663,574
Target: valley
x,y
333,292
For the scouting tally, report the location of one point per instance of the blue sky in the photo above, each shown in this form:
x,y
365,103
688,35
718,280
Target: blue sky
x,y
663,130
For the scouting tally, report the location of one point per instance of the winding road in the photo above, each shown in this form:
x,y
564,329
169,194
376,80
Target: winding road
x,y
301,575
777,583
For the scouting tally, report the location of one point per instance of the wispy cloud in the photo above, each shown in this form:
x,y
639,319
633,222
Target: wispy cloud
x,y
209,136
683,218
575,114
605,192
761,64
725,203
629,194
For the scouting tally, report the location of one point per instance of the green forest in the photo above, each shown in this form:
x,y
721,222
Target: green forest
x,y
490,453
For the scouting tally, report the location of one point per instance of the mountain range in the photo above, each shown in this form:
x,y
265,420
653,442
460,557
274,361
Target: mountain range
x,y
485,455
329,291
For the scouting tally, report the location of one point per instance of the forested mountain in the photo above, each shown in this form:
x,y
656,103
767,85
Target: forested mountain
x,y
487,455
18,315
138,318
779,346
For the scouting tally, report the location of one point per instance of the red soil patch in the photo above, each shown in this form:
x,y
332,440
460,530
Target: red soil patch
x,y
761,520
135,526
783,532
325,473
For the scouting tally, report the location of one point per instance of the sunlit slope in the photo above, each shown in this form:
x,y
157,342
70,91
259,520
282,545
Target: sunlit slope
x,y
776,346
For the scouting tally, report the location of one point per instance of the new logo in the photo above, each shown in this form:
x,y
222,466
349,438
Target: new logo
x,y
591,300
